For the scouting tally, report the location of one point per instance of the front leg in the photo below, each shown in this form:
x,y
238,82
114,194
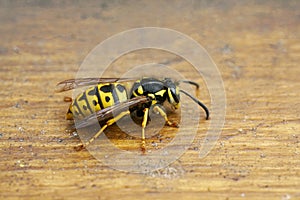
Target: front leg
x,y
157,108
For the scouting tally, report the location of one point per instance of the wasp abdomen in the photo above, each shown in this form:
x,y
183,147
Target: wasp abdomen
x,y
96,98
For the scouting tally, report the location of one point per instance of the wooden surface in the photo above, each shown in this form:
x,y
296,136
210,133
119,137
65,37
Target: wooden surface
x,y
256,47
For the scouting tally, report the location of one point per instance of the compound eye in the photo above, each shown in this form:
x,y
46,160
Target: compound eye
x,y
173,96
175,93
170,96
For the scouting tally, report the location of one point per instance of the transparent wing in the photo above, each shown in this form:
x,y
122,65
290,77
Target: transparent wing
x,y
108,113
81,82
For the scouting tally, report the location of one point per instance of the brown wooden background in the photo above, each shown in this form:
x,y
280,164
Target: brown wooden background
x,y
256,46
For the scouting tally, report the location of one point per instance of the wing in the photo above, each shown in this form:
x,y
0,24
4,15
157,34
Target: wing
x,y
81,82
108,113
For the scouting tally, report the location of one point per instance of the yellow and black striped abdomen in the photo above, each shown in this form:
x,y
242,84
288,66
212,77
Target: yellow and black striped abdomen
x,y
96,98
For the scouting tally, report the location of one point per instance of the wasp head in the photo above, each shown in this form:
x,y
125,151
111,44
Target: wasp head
x,y
173,95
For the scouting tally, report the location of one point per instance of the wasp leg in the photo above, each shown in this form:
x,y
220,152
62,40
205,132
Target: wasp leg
x,y
144,123
164,115
108,123
68,99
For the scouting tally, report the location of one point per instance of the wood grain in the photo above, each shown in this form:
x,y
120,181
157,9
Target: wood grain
x,y
256,47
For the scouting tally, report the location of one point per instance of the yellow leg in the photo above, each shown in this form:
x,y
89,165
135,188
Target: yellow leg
x,y
164,115
144,123
108,123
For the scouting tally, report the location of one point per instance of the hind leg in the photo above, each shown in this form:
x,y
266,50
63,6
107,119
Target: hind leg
x,y
108,123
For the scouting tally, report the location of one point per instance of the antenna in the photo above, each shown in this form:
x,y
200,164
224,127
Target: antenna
x,y
197,101
190,82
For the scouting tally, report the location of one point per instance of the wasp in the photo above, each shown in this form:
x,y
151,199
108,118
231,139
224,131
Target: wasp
x,y
109,99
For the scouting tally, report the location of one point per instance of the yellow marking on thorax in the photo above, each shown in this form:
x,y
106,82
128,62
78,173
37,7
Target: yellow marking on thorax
x,y
153,97
140,90
160,93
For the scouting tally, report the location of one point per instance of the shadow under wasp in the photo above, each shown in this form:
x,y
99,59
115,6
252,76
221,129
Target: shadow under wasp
x,y
109,100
